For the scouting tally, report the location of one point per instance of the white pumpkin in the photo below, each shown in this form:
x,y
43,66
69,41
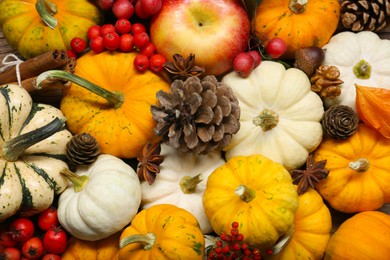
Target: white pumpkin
x,y
170,186
104,201
362,58
280,115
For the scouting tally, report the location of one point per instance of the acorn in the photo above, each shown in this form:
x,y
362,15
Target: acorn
x,y
309,59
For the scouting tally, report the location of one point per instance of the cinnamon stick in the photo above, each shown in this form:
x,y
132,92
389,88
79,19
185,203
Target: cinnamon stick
x,y
35,66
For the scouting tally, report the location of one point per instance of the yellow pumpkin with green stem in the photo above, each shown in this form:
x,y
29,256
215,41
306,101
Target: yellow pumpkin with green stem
x,y
111,100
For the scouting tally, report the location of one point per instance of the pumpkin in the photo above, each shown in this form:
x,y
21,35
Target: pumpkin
x,y
362,58
120,120
33,27
32,153
365,235
162,232
359,178
300,23
102,199
106,248
182,181
312,227
255,192
280,115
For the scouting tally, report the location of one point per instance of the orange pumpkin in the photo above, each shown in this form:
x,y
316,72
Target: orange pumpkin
x,y
299,23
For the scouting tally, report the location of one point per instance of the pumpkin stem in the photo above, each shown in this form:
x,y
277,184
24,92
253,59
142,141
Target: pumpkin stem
x,y
360,165
78,181
188,184
246,194
115,99
15,147
362,70
283,241
147,240
267,120
297,6
46,9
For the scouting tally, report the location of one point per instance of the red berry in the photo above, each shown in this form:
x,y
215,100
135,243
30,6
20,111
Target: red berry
x,y
93,32
78,45
71,54
48,218
96,45
111,41
234,232
107,28
150,7
122,26
141,39
243,64
21,229
156,62
123,9
269,252
139,12
149,50
240,237
256,57
10,253
126,42
141,62
105,4
276,47
137,28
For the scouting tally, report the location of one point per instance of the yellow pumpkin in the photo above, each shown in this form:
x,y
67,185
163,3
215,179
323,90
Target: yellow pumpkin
x,y
103,249
121,122
359,178
26,24
255,192
312,227
162,232
365,235
300,24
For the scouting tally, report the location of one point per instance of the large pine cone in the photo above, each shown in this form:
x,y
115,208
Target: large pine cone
x,y
198,115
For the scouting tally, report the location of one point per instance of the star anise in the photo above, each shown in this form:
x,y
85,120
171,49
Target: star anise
x,y
182,68
149,162
314,172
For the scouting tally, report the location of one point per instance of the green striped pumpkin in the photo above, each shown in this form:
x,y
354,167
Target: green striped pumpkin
x,y
32,153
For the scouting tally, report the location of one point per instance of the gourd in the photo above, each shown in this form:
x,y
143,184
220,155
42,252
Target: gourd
x,y
362,236
103,249
312,226
102,199
162,232
33,27
115,105
300,23
362,58
33,142
280,115
255,192
359,178
181,182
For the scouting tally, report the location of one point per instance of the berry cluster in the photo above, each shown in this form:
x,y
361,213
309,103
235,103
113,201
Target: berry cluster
x,y
230,247
127,8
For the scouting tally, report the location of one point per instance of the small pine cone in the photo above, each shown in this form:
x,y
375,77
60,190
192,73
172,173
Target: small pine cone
x,y
326,82
82,149
198,115
340,122
361,15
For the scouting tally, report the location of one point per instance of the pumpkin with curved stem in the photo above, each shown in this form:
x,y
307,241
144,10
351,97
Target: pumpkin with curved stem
x,y
359,177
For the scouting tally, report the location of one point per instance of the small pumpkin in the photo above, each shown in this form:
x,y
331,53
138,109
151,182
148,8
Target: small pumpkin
x,y
182,181
119,119
255,192
32,153
359,177
365,235
102,199
103,249
362,58
33,27
280,115
300,23
162,232
312,227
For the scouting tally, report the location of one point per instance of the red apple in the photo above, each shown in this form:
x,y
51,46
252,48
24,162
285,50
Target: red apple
x,y
215,31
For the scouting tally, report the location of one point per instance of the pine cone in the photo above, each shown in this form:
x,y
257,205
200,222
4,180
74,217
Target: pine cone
x,y
198,115
360,15
340,122
82,149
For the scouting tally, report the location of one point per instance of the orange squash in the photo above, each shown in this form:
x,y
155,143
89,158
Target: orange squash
x,y
300,23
